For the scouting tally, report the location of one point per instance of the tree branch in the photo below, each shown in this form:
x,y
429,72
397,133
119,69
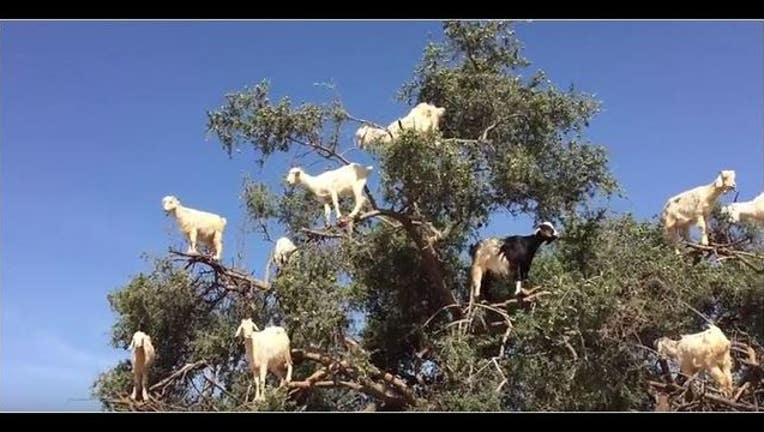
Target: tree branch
x,y
232,279
725,250
180,374
390,389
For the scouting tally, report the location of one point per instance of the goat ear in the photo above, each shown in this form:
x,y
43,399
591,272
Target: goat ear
x,y
238,332
132,344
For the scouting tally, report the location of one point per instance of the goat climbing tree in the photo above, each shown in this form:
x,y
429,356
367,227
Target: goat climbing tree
x,y
580,340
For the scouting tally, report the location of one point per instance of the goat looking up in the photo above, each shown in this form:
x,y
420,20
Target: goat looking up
x,y
510,255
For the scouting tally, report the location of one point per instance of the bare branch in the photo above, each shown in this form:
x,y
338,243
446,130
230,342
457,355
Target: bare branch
x,y
727,251
230,279
390,389
362,121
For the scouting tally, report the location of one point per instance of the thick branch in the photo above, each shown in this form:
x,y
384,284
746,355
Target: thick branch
x,y
233,280
397,393
443,295
729,403
326,234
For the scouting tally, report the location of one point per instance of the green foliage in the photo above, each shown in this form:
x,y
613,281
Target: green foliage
x,y
506,143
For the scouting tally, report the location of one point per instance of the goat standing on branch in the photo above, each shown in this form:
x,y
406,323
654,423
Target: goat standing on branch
x,y
510,255
693,207
142,359
197,225
707,351
267,350
424,118
280,256
331,185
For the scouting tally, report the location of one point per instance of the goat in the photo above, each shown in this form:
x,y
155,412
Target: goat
x,y
752,211
693,207
367,134
283,250
196,224
708,350
142,359
267,350
424,118
513,254
330,185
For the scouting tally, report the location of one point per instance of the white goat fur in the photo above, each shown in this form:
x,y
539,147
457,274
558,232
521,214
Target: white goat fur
x,y
752,211
693,207
267,350
197,225
283,250
424,118
708,350
330,185
142,359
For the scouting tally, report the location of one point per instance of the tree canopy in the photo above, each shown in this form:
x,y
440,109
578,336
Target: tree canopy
x,y
378,314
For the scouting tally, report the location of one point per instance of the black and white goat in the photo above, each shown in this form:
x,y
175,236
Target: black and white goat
x,y
510,255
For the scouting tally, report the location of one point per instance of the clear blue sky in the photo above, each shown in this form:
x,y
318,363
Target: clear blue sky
x,y
99,120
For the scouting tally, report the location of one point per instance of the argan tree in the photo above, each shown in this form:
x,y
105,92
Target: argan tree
x,y
378,309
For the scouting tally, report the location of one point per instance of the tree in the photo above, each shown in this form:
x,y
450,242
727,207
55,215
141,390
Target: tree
x,y
581,339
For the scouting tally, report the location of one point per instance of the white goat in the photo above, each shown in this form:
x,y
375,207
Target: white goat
x,y
693,207
752,211
424,118
707,351
142,359
330,185
197,224
267,350
367,134
283,250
